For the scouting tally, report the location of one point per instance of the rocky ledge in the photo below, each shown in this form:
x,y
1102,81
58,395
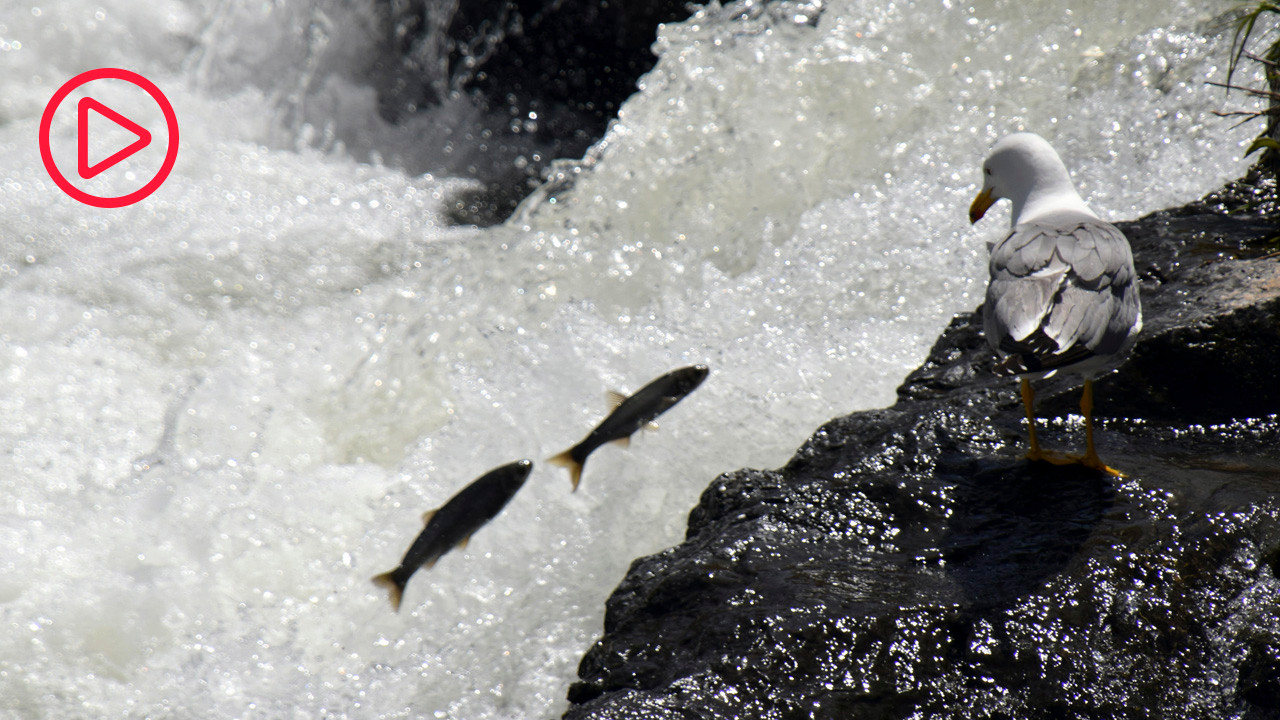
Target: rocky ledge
x,y
908,562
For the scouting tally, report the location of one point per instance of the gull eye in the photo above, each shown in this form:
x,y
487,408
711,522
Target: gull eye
x,y
986,170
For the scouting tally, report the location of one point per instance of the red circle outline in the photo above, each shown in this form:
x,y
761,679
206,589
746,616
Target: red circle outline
x,y
170,119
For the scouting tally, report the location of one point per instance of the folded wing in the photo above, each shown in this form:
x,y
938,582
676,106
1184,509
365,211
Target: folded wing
x,y
1063,290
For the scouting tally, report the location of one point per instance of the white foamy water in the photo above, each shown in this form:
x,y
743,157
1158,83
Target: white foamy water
x,y
224,408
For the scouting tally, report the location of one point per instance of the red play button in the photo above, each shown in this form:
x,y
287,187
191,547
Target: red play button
x,y
87,104
118,115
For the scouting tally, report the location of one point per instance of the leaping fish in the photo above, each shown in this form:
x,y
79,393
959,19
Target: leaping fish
x,y
631,414
453,523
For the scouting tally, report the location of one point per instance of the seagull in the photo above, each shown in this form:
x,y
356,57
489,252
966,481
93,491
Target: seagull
x,y
1063,294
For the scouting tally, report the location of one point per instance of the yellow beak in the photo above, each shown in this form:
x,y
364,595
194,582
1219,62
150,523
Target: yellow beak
x,y
980,205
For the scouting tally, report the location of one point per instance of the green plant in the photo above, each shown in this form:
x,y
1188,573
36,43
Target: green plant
x,y
1246,21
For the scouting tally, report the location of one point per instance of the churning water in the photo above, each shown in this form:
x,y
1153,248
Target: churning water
x,y
224,409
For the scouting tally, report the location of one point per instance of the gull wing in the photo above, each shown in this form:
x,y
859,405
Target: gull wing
x,y
1063,290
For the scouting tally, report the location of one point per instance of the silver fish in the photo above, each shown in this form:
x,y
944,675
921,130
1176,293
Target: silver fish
x,y
631,414
453,523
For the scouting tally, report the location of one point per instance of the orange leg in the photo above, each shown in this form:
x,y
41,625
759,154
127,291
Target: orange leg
x,y
1091,459
1034,453
1028,402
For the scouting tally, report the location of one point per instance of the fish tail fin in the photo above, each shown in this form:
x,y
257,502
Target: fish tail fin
x,y
393,586
565,460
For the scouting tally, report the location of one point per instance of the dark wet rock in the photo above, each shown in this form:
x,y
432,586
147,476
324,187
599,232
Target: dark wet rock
x,y
545,76
574,56
907,562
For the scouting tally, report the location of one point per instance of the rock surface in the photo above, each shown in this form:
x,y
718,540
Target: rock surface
x,y
908,562
545,77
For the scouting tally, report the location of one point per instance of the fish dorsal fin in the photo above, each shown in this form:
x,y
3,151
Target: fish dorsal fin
x,y
614,398
426,516
624,441
465,541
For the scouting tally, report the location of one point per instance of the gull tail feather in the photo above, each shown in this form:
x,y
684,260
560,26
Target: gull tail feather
x,y
565,460
393,586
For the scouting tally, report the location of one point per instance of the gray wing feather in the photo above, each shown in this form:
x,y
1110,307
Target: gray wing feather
x,y
1016,306
1062,289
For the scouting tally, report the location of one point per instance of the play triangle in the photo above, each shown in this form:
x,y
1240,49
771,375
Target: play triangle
x,y
82,137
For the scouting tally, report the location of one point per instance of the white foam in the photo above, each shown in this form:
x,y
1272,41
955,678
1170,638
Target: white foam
x,y
225,408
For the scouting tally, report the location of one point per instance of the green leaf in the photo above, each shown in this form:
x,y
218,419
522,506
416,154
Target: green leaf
x,y
1260,143
1245,23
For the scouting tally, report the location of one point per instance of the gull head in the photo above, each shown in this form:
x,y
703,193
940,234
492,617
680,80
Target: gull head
x,y
1025,169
